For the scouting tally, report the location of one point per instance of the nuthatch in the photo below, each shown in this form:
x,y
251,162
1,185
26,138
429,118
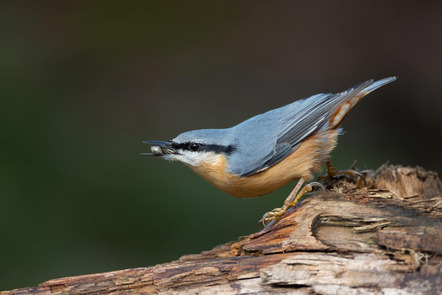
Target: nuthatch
x,y
269,150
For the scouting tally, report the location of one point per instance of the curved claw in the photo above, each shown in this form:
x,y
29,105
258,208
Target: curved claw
x,y
289,203
332,172
318,186
272,215
359,174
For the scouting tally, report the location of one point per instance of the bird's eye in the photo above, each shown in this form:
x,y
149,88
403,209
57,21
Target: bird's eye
x,y
194,147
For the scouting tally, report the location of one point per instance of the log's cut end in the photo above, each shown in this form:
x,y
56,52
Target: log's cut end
x,y
383,238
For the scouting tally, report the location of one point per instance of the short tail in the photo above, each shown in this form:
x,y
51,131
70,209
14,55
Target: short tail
x,y
354,95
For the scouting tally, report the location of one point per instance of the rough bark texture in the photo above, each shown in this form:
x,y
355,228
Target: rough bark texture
x,y
383,238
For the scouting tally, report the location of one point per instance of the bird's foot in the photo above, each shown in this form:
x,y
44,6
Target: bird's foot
x,y
290,202
333,173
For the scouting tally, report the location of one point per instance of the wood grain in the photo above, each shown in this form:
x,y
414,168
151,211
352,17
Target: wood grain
x,y
381,239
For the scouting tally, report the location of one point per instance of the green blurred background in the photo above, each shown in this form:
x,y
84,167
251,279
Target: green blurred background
x,y
84,82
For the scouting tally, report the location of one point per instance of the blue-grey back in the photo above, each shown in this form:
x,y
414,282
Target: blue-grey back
x,y
266,139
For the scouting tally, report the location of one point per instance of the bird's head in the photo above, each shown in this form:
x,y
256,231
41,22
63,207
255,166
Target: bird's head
x,y
193,148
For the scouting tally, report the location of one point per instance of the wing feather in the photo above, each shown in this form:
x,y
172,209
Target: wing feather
x,y
280,132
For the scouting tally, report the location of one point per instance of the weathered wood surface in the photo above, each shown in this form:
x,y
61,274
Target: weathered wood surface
x,y
385,238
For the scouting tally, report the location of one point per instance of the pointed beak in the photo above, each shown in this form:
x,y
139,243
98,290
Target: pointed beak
x,y
159,148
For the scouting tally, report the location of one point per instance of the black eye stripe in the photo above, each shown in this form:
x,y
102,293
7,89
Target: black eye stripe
x,y
182,146
191,146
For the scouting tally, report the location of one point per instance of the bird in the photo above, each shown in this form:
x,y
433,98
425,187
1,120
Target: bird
x,y
269,150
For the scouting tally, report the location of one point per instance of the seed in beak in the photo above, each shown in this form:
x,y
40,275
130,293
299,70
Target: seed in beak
x,y
156,150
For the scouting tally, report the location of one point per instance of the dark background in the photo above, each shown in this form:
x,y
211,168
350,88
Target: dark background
x,y
82,84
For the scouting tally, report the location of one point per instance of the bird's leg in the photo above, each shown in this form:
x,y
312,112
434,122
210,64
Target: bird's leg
x,y
290,201
332,172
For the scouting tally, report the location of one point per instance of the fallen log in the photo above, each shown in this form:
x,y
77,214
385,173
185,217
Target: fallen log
x,y
380,238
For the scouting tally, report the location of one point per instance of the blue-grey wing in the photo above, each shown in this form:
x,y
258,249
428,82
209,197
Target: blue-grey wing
x,y
277,133
274,141
280,152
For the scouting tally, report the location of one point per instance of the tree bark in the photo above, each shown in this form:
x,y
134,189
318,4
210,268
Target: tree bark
x,y
380,238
